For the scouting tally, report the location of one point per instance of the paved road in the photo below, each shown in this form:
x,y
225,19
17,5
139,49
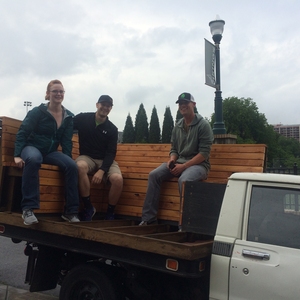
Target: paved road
x,y
13,264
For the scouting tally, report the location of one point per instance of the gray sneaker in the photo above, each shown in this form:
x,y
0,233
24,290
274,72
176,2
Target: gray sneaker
x,y
70,218
29,217
145,223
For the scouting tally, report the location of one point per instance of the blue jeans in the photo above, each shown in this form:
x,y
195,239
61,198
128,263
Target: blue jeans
x,y
31,183
155,179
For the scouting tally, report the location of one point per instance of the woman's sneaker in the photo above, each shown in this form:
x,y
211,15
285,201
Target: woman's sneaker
x,y
29,217
70,218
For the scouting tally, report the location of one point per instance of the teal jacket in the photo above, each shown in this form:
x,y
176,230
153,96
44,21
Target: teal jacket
x,y
39,129
198,139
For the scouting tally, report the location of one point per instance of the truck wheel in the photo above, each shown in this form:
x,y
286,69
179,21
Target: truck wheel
x,y
87,282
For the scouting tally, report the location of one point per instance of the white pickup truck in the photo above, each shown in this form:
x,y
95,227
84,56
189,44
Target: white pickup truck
x,y
238,241
256,251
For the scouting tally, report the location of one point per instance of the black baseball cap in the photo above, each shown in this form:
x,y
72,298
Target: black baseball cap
x,y
106,98
185,97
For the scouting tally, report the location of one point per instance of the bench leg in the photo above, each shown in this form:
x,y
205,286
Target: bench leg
x,y
2,204
181,207
10,193
11,196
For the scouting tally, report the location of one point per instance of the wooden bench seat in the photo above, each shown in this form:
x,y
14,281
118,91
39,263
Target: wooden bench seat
x,y
135,161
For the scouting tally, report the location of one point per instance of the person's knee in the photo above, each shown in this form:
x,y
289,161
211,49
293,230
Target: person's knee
x,y
34,159
116,180
154,174
193,175
82,167
73,166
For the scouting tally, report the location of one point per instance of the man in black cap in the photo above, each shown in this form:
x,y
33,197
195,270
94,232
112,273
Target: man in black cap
x,y
97,148
191,142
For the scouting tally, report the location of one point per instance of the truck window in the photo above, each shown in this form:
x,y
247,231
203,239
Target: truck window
x,y
274,216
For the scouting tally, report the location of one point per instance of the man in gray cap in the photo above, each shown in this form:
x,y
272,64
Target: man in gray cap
x,y
191,142
98,147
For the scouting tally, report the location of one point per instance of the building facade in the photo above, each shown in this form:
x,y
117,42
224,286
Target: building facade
x,y
289,131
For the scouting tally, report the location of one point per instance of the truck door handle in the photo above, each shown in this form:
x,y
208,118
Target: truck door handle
x,y
255,254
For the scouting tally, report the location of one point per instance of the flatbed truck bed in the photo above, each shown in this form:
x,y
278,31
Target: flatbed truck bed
x,y
99,238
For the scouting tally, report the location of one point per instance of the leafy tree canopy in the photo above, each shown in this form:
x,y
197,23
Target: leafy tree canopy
x,y
242,118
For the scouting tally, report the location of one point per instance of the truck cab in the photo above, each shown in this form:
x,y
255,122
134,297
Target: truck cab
x,y
256,248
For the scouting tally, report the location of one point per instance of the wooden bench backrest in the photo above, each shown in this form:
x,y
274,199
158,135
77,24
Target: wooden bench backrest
x,y
136,161
9,128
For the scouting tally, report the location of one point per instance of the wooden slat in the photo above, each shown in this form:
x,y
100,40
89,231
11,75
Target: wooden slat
x,y
235,162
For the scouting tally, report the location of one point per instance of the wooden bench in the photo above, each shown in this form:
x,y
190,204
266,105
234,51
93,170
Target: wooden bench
x,y
135,161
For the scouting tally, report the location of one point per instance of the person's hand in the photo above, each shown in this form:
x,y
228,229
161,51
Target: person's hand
x,y
19,162
178,169
98,176
171,164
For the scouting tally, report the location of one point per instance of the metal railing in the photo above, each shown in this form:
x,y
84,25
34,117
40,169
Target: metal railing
x,y
281,170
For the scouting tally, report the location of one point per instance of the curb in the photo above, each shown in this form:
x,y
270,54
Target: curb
x,y
12,293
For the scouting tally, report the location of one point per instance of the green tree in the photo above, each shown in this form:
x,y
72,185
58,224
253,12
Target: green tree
x,y
128,132
242,118
141,126
168,125
154,129
271,140
289,152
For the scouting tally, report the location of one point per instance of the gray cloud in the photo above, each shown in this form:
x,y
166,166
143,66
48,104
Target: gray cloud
x,y
148,52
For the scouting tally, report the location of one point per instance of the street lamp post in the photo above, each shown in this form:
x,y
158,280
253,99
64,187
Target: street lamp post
x,y
216,29
26,104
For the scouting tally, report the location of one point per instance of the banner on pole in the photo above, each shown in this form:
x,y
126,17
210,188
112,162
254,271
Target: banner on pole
x,y
210,78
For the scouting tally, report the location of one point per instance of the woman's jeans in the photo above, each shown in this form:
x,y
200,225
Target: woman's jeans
x,y
31,183
155,179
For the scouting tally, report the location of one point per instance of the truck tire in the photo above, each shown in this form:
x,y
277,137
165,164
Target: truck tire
x,y
87,282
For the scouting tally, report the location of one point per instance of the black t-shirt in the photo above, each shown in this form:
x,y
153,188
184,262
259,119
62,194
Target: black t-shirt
x,y
98,142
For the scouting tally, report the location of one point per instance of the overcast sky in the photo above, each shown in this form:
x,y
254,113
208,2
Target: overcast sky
x,y
149,52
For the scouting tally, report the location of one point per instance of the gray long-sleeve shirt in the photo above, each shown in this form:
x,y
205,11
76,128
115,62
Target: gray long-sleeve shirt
x,y
197,139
